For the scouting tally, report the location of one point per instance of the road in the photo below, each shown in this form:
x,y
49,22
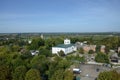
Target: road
x,y
89,71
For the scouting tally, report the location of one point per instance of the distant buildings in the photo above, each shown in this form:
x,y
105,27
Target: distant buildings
x,y
34,52
118,49
29,41
67,47
102,48
114,58
87,48
42,37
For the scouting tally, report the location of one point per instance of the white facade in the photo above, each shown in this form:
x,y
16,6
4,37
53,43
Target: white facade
x,y
66,47
29,41
34,52
66,41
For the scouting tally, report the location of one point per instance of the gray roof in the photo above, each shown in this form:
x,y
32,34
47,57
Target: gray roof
x,y
114,55
64,45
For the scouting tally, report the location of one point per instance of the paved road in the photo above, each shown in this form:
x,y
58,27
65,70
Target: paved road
x,y
89,71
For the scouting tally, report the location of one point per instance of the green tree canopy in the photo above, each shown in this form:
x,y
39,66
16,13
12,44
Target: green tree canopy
x,y
61,53
58,75
101,57
4,72
68,75
91,52
81,50
109,75
36,43
19,73
33,74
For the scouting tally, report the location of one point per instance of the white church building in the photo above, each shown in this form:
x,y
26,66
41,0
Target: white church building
x,y
67,47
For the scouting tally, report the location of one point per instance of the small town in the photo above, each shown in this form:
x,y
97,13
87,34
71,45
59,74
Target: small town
x,y
59,39
75,57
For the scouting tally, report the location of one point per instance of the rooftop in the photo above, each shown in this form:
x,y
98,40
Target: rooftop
x,y
64,45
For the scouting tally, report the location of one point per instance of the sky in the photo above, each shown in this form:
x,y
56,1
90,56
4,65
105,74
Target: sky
x,y
59,16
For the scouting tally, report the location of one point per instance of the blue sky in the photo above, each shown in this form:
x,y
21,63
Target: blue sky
x,y
59,16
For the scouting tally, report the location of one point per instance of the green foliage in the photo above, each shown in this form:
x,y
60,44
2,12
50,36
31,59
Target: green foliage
x,y
61,53
90,52
4,72
26,55
63,64
36,43
15,48
109,75
101,57
73,40
75,58
40,63
68,75
98,48
58,75
17,62
81,50
49,43
19,73
14,65
111,42
45,52
33,74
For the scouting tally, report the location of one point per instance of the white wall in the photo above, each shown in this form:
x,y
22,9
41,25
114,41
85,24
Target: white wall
x,y
55,50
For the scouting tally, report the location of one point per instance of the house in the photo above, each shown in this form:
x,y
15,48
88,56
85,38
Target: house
x,y
30,41
118,49
67,47
86,48
34,52
79,45
102,49
114,58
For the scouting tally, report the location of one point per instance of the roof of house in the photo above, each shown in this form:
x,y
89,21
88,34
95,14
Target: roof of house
x,y
64,45
115,55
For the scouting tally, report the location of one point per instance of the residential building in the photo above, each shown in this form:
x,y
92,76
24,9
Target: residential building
x,y
34,52
102,49
118,49
86,48
67,47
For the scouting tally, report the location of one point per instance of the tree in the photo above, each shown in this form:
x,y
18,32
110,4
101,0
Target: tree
x,y
19,73
63,64
39,62
98,48
4,72
33,74
61,53
36,43
104,76
58,75
103,58
17,62
109,75
45,52
91,52
68,75
81,50
15,48
107,49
